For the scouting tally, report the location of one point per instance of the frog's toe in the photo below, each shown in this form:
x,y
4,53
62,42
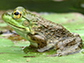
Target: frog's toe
x,y
40,50
29,49
26,50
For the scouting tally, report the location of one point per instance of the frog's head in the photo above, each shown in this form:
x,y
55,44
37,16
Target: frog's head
x,y
15,20
15,17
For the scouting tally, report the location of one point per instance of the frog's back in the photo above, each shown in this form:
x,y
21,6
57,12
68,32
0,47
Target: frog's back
x,y
50,29
58,37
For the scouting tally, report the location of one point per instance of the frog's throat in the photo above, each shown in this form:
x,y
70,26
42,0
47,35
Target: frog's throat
x,y
15,26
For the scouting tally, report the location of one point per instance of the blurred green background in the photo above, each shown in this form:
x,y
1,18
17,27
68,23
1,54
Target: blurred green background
x,y
45,5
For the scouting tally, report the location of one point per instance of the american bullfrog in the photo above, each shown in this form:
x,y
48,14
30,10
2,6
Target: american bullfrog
x,y
42,34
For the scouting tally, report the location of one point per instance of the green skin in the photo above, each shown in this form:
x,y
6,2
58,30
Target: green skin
x,y
17,24
43,34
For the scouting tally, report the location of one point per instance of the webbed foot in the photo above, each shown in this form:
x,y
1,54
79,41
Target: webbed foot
x,y
29,49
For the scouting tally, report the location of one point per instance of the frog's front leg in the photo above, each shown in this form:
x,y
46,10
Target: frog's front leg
x,y
69,46
38,39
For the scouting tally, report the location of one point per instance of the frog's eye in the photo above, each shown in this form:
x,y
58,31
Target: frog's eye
x,y
16,14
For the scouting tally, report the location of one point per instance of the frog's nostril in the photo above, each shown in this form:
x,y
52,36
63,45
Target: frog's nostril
x,y
7,13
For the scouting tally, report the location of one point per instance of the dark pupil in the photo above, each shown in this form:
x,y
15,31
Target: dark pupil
x,y
16,13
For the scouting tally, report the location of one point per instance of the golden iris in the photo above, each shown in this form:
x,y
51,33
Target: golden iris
x,y
16,14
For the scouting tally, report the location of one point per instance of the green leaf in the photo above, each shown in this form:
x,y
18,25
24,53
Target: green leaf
x,y
5,42
12,53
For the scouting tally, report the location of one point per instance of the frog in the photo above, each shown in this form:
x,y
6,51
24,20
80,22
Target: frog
x,y
42,34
